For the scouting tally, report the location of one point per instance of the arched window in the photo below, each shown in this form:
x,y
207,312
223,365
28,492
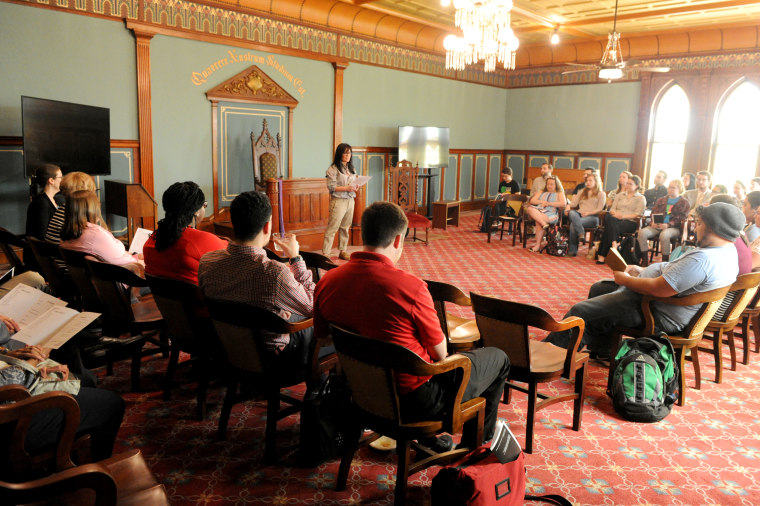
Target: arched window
x,y
668,139
736,137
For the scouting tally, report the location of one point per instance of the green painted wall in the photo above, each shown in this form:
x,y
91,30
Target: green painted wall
x,y
66,57
376,101
587,117
182,113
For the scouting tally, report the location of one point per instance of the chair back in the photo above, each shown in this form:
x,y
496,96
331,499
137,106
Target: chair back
x,y
15,462
708,302
517,202
239,327
52,267
742,292
442,293
266,155
402,186
8,242
81,277
317,263
111,282
505,325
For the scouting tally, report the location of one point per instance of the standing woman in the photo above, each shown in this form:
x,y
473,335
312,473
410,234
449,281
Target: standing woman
x,y
584,210
623,216
44,204
342,193
544,209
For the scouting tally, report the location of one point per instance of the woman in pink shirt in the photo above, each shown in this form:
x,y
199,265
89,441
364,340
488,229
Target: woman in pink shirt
x,y
84,230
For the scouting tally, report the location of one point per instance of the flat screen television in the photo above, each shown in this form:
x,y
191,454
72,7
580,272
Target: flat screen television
x,y
72,136
427,147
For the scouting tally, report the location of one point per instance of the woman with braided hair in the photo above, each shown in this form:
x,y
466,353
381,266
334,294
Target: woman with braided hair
x,y
174,250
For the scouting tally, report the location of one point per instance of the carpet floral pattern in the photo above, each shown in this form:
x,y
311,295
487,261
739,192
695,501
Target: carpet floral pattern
x,y
707,452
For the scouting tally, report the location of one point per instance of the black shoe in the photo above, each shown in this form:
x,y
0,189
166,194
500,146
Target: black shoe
x,y
440,444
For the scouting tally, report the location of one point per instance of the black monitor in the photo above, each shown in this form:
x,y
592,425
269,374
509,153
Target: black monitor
x,y
73,136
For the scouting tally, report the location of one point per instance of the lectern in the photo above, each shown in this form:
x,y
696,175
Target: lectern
x,y
132,201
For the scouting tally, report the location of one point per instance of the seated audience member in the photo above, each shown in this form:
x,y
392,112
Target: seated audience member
x,y
754,184
701,194
43,205
507,185
743,251
397,307
689,181
755,244
29,278
622,179
100,411
659,189
740,192
544,209
668,215
71,182
713,264
719,189
539,183
750,209
84,230
623,217
580,186
175,249
243,273
584,210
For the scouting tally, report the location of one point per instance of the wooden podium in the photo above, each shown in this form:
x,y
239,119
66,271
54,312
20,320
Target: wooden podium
x,y
132,201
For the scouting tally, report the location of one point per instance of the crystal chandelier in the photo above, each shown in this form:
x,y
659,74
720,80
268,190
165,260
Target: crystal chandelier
x,y
486,35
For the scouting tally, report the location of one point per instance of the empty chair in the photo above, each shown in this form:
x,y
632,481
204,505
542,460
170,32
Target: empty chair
x,y
462,334
50,261
10,243
498,220
317,263
505,324
370,367
403,191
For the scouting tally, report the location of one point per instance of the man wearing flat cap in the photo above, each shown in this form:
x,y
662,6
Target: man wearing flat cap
x,y
713,264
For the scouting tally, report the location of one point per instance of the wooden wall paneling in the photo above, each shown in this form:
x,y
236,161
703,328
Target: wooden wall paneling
x,y
613,168
495,166
450,178
569,177
480,177
305,209
360,203
339,67
564,162
215,157
537,160
516,162
144,114
594,162
466,173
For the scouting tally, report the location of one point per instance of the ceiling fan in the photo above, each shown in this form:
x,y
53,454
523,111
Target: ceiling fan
x,y
612,64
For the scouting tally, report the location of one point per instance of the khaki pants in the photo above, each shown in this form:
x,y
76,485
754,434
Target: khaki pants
x,y
341,216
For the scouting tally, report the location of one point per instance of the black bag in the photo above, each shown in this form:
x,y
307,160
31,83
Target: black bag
x,y
485,214
645,379
557,240
629,250
326,423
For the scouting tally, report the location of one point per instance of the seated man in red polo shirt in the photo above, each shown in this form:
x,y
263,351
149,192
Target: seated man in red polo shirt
x,y
372,297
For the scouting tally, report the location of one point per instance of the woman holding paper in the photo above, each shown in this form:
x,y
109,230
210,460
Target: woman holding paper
x,y
82,231
340,183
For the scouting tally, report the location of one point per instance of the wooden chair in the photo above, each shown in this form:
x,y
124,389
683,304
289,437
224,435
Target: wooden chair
x,y
750,316
121,316
462,334
505,325
688,338
189,329
50,261
402,190
121,479
10,243
318,263
239,327
266,156
498,220
727,317
370,367
80,276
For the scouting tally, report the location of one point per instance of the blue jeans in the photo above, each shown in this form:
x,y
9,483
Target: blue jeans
x,y
577,224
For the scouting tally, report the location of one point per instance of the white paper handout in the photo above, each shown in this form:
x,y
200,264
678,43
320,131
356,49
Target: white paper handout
x,y
504,444
361,180
139,239
44,319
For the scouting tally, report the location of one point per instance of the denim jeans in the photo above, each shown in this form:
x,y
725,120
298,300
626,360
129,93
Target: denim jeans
x,y
577,224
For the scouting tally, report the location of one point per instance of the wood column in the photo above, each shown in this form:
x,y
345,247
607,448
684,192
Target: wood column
x,y
338,103
144,115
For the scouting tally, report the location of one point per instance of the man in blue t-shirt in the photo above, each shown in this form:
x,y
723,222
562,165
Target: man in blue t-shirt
x,y
712,265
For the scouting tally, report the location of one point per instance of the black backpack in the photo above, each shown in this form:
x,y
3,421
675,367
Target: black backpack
x,y
485,214
630,251
645,379
556,240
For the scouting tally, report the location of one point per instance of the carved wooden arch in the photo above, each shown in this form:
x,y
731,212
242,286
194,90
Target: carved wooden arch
x,y
251,86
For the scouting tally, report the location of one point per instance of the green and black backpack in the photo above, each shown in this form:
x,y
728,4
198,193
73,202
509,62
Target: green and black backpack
x,y
645,379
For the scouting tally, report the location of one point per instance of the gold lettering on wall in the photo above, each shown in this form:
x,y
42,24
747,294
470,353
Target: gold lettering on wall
x,y
255,85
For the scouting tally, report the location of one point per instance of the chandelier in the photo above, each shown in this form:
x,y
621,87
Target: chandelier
x,y
486,35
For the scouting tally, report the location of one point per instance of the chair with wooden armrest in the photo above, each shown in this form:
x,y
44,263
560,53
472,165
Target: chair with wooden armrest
x,y
51,264
497,220
318,263
370,367
462,334
122,316
688,338
239,327
750,316
121,479
402,190
190,330
10,243
727,317
505,325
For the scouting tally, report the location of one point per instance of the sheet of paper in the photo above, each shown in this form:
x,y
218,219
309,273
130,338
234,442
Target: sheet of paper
x,y
138,241
25,304
70,329
361,180
47,325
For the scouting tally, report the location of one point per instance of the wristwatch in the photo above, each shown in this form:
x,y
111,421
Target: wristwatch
x,y
295,259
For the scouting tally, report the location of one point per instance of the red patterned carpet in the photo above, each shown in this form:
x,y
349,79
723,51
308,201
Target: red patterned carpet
x,y
707,452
